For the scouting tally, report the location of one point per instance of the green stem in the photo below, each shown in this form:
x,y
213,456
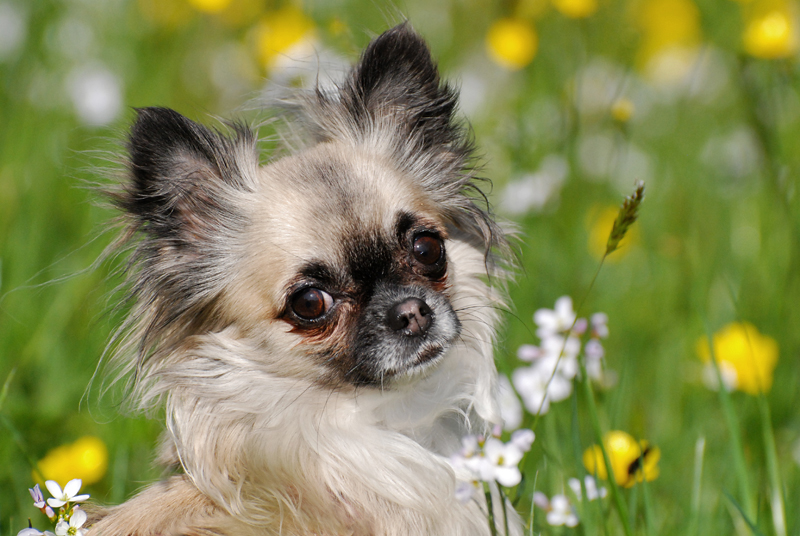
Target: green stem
x,y
729,414
505,511
598,433
776,497
490,509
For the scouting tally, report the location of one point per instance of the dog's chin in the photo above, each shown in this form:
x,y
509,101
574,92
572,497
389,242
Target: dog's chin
x,y
418,365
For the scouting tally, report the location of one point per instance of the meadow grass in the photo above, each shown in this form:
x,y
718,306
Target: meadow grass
x,y
712,129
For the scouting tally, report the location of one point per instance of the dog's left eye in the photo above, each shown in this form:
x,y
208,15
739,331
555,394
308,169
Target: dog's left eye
x,y
427,249
311,303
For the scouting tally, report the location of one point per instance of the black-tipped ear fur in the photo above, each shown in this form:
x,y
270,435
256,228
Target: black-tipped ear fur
x,y
397,75
178,172
181,200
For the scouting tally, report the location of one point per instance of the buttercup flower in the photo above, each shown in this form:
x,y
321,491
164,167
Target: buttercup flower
x,y
746,358
576,9
284,33
210,6
631,461
85,459
69,493
512,43
771,35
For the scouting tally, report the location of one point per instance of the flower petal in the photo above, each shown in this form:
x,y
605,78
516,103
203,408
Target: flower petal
x,y
72,487
61,528
54,488
56,503
79,498
29,532
78,518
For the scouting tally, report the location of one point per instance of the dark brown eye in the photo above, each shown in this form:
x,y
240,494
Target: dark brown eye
x,y
427,249
311,303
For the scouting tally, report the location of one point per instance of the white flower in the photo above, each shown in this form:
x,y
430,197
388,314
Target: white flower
x,y
96,94
592,492
38,498
523,439
500,462
555,321
510,407
561,512
466,490
533,191
600,325
529,352
538,388
60,498
76,521
13,29
30,532
594,350
561,355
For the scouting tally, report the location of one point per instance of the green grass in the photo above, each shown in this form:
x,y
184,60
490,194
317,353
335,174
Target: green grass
x,y
718,241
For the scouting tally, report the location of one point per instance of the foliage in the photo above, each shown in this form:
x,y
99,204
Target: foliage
x,y
698,98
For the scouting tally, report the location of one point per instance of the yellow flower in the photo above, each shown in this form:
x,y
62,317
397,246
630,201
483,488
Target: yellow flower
x,y
747,357
576,9
512,43
280,31
86,458
209,6
632,461
600,221
771,35
622,110
671,34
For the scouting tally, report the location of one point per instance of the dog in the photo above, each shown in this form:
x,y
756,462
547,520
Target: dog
x,y
319,329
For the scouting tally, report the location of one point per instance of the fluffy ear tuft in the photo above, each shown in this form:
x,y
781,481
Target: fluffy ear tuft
x,y
181,200
179,173
396,75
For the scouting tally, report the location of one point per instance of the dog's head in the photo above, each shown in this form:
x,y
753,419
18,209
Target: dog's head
x,y
341,263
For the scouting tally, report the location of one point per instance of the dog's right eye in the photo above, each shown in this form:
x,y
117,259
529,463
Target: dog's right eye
x,y
311,303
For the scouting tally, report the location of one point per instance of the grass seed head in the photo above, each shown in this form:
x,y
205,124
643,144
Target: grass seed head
x,y
628,214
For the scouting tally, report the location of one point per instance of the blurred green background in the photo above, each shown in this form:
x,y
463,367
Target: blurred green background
x,y
571,101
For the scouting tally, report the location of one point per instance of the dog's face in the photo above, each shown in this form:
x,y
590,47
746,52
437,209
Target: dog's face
x,y
333,263
349,265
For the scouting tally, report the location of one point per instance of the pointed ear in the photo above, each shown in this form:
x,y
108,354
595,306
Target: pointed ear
x,y
180,172
397,79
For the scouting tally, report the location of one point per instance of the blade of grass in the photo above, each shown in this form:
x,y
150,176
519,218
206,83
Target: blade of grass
x,y
752,526
649,516
694,513
776,489
588,517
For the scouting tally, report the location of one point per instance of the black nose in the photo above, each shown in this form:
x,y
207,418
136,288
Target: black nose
x,y
412,316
